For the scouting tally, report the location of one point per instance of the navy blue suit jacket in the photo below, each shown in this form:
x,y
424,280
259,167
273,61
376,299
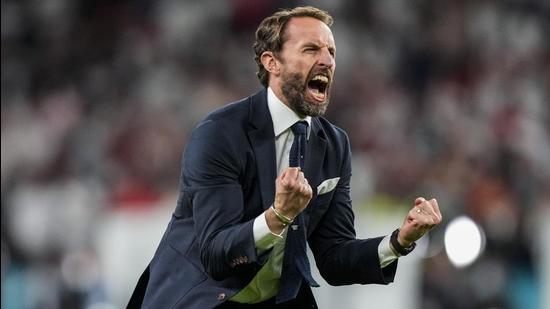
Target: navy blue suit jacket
x,y
207,253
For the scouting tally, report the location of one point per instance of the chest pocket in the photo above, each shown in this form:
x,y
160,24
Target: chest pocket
x,y
323,201
317,209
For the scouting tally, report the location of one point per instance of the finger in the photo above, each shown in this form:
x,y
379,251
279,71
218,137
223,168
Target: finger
x,y
433,201
290,174
293,172
282,177
433,216
308,191
417,202
428,209
304,185
432,209
423,216
282,180
436,209
300,179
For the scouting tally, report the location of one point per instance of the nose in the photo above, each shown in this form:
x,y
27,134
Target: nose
x,y
326,58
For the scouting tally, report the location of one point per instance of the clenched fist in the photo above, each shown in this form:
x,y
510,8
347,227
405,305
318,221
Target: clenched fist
x,y
424,216
292,194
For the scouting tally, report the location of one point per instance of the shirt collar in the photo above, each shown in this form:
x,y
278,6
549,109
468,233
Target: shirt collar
x,y
283,117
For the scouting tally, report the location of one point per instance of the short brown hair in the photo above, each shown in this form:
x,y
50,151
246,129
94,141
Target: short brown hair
x,y
270,33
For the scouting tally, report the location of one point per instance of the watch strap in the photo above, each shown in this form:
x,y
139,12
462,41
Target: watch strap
x,y
397,247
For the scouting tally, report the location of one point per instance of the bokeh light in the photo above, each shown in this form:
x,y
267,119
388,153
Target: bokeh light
x,y
464,241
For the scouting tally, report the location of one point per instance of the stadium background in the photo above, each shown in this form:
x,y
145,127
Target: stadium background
x,y
440,98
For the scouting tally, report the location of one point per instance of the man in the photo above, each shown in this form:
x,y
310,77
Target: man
x,y
262,175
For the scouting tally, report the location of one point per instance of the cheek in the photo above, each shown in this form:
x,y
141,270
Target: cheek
x,y
299,65
292,69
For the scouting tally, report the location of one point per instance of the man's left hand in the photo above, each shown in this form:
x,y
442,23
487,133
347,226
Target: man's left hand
x,y
424,216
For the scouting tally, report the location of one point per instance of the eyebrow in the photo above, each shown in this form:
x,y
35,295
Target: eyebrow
x,y
317,45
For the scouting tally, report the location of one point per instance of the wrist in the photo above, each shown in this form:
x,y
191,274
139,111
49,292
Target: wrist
x,y
275,226
399,248
282,218
404,243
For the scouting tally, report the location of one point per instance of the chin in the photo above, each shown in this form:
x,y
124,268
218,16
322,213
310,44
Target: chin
x,y
314,109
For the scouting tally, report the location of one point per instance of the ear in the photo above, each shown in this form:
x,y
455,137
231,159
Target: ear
x,y
270,63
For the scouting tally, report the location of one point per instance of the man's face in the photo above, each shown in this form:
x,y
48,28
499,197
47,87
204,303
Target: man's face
x,y
307,65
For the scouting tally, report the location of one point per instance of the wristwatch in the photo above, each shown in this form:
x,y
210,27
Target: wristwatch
x,y
402,251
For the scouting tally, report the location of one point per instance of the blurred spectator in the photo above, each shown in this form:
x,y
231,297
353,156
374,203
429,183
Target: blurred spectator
x,y
98,98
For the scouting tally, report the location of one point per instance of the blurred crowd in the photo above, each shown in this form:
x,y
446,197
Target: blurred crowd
x,y
440,98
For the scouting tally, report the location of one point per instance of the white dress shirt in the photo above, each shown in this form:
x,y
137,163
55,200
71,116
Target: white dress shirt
x,y
266,282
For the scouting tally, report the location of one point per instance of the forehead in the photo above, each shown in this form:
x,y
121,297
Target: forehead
x,y
302,30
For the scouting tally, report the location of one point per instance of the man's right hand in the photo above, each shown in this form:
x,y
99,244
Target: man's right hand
x,y
292,194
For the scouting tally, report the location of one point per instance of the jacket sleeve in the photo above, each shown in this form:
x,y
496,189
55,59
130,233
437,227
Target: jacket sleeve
x,y
211,171
341,258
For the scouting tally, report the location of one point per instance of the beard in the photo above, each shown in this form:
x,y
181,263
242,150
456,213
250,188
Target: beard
x,y
294,90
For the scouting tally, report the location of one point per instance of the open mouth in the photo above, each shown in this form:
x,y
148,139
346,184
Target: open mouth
x,y
317,87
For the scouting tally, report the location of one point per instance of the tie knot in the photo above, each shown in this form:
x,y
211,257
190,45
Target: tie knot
x,y
299,128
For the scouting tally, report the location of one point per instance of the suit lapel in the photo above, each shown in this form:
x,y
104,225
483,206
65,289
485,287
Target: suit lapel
x,y
262,140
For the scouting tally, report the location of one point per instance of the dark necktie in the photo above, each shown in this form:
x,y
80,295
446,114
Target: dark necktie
x,y
295,261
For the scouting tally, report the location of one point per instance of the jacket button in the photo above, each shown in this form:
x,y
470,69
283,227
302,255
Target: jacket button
x,y
221,296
